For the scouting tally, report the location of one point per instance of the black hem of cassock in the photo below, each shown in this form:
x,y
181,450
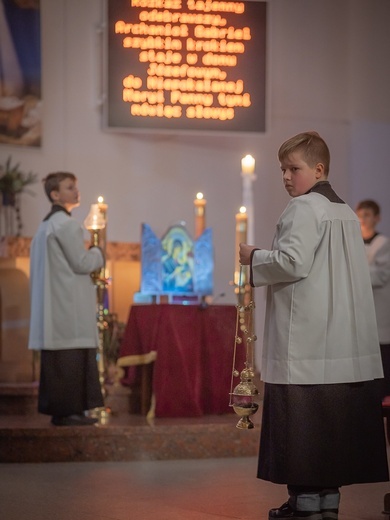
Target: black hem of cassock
x,y
323,435
69,382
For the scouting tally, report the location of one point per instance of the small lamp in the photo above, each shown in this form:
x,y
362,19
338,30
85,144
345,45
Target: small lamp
x,y
95,222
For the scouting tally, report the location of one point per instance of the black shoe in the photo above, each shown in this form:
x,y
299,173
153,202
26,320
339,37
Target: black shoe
x,y
330,514
286,511
73,420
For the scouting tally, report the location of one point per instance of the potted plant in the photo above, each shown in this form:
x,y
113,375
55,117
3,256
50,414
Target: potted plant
x,y
13,182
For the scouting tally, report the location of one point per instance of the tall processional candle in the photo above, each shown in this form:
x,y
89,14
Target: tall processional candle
x,y
247,165
241,237
200,214
248,176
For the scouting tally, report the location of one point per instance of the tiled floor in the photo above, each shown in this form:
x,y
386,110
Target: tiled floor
x,y
211,489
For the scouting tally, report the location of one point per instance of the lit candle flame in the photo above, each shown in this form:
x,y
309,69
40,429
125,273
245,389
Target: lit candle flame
x,y
243,209
199,196
248,164
100,199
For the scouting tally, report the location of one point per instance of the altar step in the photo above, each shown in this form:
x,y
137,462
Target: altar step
x,y
124,438
18,398
26,436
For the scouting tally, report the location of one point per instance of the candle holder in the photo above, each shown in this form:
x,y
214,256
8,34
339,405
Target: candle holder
x,y
95,223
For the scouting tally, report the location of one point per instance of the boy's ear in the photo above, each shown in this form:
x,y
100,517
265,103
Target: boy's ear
x,y
319,170
54,195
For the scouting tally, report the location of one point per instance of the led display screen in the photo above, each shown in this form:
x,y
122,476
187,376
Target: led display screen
x,y
186,65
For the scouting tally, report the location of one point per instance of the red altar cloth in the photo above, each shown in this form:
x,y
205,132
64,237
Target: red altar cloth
x,y
194,346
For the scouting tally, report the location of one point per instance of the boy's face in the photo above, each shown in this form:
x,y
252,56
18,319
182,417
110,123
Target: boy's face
x,y
298,176
67,195
368,220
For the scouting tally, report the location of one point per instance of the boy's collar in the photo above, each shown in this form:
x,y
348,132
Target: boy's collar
x,y
317,186
324,188
369,240
55,209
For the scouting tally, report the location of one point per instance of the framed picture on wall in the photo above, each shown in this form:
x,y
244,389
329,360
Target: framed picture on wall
x,y
20,73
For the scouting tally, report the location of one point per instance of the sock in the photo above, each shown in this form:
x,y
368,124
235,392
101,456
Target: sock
x,y
305,501
330,499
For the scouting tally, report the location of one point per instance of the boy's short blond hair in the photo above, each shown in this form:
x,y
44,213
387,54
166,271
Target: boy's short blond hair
x,y
312,146
52,181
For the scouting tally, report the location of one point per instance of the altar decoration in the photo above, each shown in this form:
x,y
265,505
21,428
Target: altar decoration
x,y
176,266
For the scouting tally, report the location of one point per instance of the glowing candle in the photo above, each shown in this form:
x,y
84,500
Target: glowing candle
x,y
102,206
248,176
200,214
247,165
241,237
94,220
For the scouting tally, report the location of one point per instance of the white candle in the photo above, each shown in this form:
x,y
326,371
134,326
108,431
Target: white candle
x,y
241,237
200,214
248,165
248,176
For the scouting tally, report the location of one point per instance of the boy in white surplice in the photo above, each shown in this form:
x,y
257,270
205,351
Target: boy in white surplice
x,y
63,309
322,424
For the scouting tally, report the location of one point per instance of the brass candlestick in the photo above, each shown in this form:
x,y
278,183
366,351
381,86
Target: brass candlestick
x,y
242,397
96,225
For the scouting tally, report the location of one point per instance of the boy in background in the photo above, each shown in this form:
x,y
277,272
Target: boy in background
x,y
63,309
378,254
322,425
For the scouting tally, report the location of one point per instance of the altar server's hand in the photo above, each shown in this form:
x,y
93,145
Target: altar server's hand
x,y
245,253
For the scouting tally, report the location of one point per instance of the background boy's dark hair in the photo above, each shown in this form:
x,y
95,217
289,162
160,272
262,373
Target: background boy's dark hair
x,y
369,204
52,181
312,146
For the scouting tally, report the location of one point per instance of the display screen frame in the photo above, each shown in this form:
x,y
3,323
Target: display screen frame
x,y
248,120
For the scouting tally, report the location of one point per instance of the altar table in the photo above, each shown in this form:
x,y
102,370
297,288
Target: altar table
x,y
192,349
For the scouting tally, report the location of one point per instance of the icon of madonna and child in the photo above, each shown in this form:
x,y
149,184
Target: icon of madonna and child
x,y
176,264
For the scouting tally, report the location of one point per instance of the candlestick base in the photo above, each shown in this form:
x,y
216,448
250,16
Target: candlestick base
x,y
102,414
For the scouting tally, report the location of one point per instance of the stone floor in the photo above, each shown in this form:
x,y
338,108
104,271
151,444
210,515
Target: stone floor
x,y
209,489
